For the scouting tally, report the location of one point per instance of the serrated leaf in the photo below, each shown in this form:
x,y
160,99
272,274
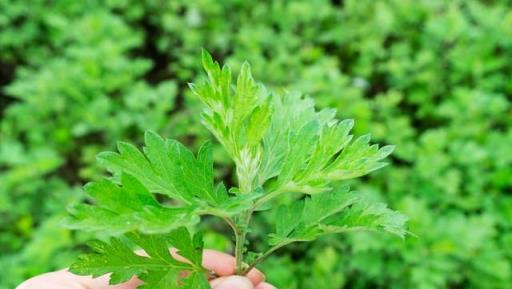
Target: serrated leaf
x,y
319,207
258,124
128,207
188,246
167,167
369,216
160,280
333,212
281,142
288,218
117,258
246,95
157,268
300,147
333,138
291,113
195,281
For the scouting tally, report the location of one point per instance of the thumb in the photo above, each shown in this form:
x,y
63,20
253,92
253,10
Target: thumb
x,y
232,282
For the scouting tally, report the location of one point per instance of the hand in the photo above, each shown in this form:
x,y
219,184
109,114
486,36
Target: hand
x,y
222,264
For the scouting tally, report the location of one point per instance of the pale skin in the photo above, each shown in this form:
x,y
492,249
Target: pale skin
x,y
223,265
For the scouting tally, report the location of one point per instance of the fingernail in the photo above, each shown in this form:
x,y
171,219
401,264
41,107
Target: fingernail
x,y
235,282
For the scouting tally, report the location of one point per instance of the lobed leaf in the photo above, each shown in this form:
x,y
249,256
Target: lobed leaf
x,y
279,143
273,136
167,167
157,268
164,167
128,207
333,212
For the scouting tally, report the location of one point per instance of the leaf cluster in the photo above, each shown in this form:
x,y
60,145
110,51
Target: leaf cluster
x,y
280,144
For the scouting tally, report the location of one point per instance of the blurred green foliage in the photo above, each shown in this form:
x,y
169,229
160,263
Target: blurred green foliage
x,y
433,77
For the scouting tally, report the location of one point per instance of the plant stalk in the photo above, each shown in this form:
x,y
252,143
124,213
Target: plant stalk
x,y
240,238
264,256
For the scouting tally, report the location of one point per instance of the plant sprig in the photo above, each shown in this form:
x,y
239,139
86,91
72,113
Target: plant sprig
x,y
280,144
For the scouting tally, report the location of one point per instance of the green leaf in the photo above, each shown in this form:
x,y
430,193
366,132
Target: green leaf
x,y
291,114
308,150
189,247
282,144
195,281
333,212
369,216
358,159
114,257
258,124
130,160
167,167
319,207
288,218
157,268
281,136
160,280
299,149
279,144
128,207
333,138
238,203
246,95
237,116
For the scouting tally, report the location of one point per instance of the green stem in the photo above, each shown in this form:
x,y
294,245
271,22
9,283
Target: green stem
x,y
241,232
231,224
239,251
239,241
240,237
264,256
242,224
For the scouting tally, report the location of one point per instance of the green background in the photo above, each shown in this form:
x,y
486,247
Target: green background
x,y
433,77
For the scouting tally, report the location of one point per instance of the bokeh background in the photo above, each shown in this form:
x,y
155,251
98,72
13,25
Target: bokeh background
x,y
433,77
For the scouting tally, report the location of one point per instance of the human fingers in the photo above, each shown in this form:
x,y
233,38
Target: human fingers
x,y
64,279
265,285
224,265
220,263
232,282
